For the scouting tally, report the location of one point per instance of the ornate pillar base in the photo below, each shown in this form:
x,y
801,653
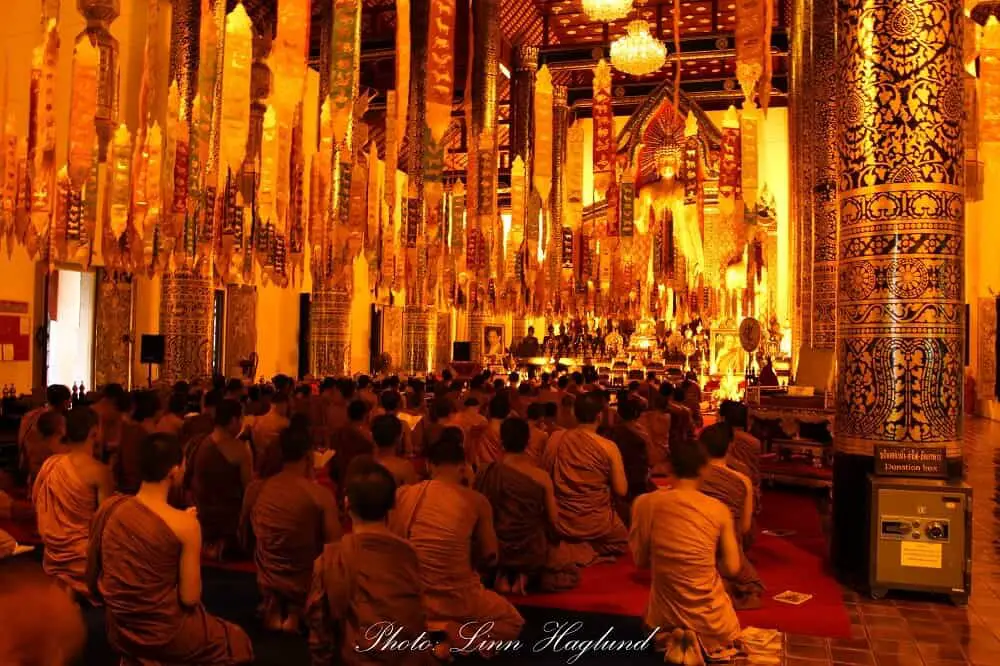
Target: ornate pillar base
x,y
113,329
186,308
330,333
442,341
241,328
417,339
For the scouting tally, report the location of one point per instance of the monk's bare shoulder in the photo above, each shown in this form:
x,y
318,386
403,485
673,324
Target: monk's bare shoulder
x,y
539,475
94,472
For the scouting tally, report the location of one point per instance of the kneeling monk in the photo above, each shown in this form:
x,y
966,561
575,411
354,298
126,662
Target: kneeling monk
x,y
145,564
67,492
451,528
587,472
679,533
525,512
370,578
735,491
291,517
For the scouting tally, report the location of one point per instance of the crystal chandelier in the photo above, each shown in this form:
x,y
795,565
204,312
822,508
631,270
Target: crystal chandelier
x,y
637,52
606,11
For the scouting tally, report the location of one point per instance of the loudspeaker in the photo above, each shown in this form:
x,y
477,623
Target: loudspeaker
x,y
152,349
461,351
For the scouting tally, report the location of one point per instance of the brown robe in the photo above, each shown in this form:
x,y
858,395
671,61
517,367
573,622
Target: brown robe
x,y
526,542
65,505
725,486
359,582
126,468
676,533
133,566
483,444
441,520
634,442
350,441
581,476
746,449
266,431
28,437
285,513
657,424
217,490
681,423
7,545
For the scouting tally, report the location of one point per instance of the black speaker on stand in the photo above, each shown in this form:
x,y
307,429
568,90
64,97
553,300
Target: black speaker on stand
x,y
152,350
461,351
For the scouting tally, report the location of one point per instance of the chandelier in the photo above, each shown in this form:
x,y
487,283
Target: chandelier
x,y
637,52
606,11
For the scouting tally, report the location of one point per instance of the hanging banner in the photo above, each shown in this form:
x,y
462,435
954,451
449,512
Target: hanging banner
x,y
42,147
748,154
627,206
542,165
413,209
344,65
119,191
750,47
567,248
611,212
440,66
83,106
989,76
604,128
402,89
236,89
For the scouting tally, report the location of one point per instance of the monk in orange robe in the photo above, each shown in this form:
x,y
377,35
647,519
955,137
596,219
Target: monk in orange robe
x,y
656,420
145,565
525,513
66,495
50,429
469,419
41,624
368,580
685,537
484,445
57,399
588,473
125,462
221,471
290,517
634,443
388,434
172,420
111,407
451,528
352,440
735,491
265,431
744,453
198,425
681,419
539,436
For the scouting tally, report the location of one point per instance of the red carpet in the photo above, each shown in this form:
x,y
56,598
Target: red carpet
x,y
792,563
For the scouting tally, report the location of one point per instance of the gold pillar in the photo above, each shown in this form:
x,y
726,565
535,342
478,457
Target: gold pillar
x,y
900,303
186,318
476,331
330,333
442,340
560,133
800,134
522,96
241,327
113,328
417,339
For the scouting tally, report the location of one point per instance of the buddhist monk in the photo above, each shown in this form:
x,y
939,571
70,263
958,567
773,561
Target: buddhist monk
x,y
367,580
588,473
265,431
413,417
41,624
470,418
681,420
634,443
48,441
354,439
125,462
366,392
222,469
656,420
111,408
198,425
441,416
525,515
484,445
66,495
145,565
539,436
451,528
290,517
678,533
172,420
735,491
57,398
745,447
690,395
388,433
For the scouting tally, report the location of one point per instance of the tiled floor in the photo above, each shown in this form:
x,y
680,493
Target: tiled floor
x,y
918,632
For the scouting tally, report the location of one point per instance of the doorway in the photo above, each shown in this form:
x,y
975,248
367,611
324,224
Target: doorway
x,y
71,312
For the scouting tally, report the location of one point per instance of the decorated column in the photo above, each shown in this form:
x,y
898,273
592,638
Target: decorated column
x,y
522,94
560,129
241,327
329,336
900,305
186,318
113,328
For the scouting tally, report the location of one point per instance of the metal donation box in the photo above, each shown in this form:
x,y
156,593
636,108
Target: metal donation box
x,y
921,528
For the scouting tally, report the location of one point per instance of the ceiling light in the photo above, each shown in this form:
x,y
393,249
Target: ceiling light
x,y
638,53
606,11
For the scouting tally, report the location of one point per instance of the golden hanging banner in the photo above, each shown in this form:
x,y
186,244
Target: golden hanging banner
x,y
119,182
440,66
291,50
604,128
344,66
236,89
542,170
402,65
83,106
749,123
989,75
750,47
42,144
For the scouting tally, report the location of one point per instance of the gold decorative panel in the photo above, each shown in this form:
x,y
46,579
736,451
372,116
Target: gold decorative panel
x,y
186,318
986,372
901,301
241,327
113,328
417,339
330,333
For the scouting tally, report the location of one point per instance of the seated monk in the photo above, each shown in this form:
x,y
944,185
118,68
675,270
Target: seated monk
x,y
50,430
469,418
525,514
198,425
442,413
172,420
390,404
66,495
451,528
689,393
587,472
735,492
745,448
290,517
483,444
634,443
657,423
265,432
413,418
125,462
388,433
145,565
539,436
57,398
370,578
111,407
681,420
220,473
353,439
685,537
41,624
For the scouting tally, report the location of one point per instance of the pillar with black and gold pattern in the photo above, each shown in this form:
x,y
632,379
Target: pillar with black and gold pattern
x,y
187,306
330,332
900,284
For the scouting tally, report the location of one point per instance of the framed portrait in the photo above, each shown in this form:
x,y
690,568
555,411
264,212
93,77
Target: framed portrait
x,y
727,354
494,343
